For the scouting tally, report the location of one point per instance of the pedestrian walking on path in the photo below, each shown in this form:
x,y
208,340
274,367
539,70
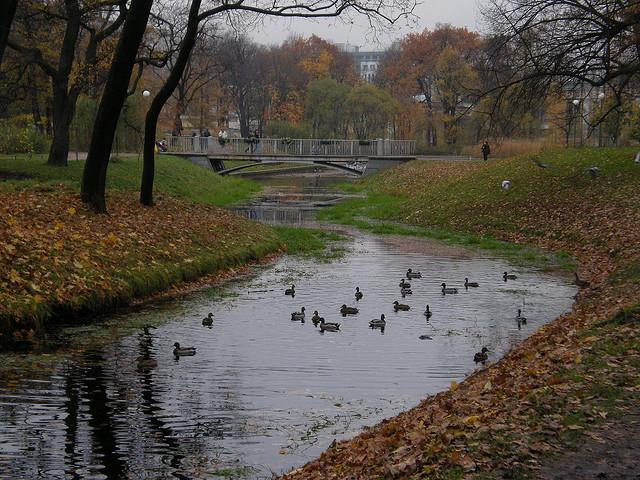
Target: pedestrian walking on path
x,y
486,150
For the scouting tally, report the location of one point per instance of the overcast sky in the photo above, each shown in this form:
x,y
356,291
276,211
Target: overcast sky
x,y
460,13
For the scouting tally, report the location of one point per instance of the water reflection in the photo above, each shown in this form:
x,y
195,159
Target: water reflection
x,y
293,200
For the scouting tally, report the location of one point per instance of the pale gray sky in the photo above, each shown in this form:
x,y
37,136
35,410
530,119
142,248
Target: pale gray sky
x,y
460,13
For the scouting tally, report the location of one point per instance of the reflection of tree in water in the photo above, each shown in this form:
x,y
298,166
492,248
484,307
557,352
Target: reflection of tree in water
x,y
151,406
87,382
103,392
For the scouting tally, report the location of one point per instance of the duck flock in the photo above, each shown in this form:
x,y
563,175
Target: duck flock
x,y
376,323
405,289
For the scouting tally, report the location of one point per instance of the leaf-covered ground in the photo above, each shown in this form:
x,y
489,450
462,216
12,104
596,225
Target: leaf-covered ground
x,y
58,258
565,383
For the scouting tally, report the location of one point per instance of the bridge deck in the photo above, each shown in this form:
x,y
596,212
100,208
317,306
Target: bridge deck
x,y
299,147
347,155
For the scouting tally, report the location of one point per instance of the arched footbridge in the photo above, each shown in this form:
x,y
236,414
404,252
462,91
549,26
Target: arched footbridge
x,y
358,157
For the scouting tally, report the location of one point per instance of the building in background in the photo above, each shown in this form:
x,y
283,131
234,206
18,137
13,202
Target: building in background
x,y
366,62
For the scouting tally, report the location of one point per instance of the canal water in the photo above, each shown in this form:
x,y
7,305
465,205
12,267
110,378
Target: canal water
x,y
264,394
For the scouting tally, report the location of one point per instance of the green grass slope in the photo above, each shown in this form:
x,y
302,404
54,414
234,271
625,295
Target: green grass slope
x,y
175,176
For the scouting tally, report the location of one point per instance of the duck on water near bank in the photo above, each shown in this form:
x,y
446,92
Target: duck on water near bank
x,y
520,318
358,294
400,306
290,291
468,284
427,313
344,310
179,351
328,326
316,318
580,282
208,320
448,290
298,316
509,276
481,356
412,274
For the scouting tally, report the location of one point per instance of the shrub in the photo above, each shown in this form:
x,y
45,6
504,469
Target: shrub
x,y
16,137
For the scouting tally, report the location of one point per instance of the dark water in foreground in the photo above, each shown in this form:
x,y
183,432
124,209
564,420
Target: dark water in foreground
x,y
264,394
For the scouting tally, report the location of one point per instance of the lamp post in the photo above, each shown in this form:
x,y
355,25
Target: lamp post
x,y
600,104
145,95
576,103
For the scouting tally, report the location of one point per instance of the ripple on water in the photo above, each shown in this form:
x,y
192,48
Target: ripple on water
x,y
261,385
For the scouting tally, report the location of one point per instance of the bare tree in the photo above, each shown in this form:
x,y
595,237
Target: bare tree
x,y
577,45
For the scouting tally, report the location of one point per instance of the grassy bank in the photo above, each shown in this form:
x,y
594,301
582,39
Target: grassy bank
x,y
58,259
175,176
572,377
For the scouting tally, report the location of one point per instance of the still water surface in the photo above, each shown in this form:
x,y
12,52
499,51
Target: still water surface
x,y
264,394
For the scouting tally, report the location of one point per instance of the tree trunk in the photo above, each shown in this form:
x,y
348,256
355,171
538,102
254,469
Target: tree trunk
x,y
64,105
7,12
151,120
64,102
115,93
33,99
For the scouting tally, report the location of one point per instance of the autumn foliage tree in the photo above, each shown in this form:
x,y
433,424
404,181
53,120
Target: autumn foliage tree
x,y
64,39
433,68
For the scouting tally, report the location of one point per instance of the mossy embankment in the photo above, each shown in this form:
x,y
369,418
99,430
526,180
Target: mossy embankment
x,y
571,377
58,259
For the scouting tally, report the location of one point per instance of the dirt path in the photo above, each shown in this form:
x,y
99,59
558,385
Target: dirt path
x,y
612,452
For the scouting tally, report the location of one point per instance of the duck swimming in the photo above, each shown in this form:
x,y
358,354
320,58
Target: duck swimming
x,y
344,310
404,284
481,356
400,306
508,276
412,274
427,313
378,322
468,284
359,294
290,291
425,337
448,290
298,316
179,351
520,318
406,291
316,318
328,326
208,320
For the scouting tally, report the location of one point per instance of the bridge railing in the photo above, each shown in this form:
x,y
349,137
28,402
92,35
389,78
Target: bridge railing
x,y
287,146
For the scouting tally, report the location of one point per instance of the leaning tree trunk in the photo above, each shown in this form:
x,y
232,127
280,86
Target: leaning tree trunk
x,y
115,93
151,120
7,12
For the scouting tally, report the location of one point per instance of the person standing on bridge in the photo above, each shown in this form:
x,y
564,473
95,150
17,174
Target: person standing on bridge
x,y
256,137
486,150
222,137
